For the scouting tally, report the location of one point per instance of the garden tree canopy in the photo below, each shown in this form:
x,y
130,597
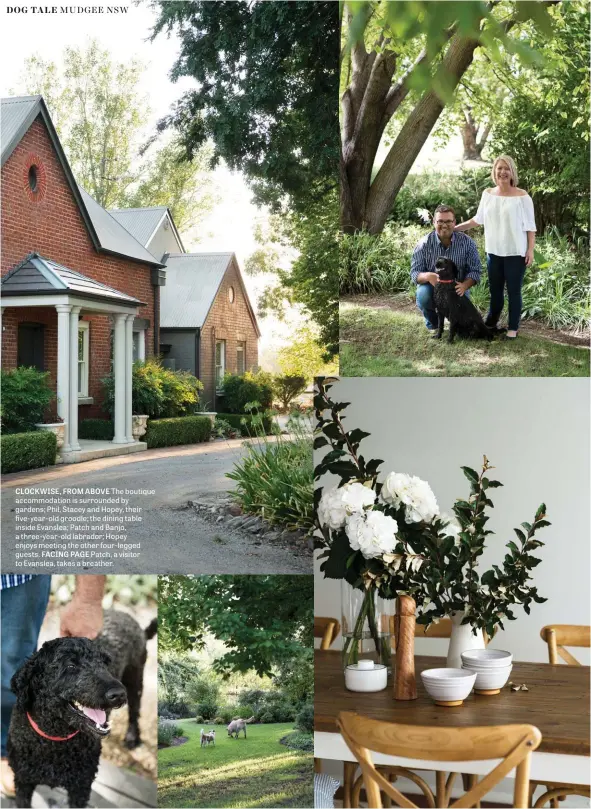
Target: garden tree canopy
x,y
265,621
267,80
303,356
417,52
98,112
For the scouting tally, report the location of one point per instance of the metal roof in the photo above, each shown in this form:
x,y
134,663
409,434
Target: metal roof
x,y
16,116
192,282
113,237
143,223
107,235
36,275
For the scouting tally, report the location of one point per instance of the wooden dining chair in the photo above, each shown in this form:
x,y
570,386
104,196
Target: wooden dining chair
x,y
513,744
557,636
327,629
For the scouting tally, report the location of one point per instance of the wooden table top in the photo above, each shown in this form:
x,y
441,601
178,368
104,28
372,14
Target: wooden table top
x,y
557,702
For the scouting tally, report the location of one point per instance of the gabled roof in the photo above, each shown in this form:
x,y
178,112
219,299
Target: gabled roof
x,y
143,223
114,238
192,283
36,275
107,235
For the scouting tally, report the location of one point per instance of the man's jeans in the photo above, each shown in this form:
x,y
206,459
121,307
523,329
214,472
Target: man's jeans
x,y
426,304
23,609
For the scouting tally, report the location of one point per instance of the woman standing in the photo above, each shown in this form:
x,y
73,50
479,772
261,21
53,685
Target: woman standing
x,y
507,213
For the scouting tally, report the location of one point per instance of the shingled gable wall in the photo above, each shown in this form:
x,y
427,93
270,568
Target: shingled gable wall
x,y
231,322
50,223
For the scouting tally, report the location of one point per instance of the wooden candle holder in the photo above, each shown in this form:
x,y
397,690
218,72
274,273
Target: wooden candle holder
x,y
405,684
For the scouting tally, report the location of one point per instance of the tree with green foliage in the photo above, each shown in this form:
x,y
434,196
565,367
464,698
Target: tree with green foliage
x,y
264,621
406,60
99,114
303,356
267,77
267,82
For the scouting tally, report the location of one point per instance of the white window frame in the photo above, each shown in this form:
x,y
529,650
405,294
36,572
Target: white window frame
x,y
141,344
241,349
83,372
220,368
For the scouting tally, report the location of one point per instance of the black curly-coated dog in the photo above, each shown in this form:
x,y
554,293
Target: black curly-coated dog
x,y
464,318
65,693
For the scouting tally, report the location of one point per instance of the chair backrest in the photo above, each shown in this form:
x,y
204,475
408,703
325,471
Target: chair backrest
x,y
327,629
557,636
511,743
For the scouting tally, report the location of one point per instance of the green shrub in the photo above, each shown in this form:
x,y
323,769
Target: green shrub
x,y
287,387
274,479
266,718
246,424
244,711
250,387
167,731
26,395
423,192
96,429
174,708
157,392
226,713
184,430
207,709
378,263
305,718
223,429
199,719
299,741
27,450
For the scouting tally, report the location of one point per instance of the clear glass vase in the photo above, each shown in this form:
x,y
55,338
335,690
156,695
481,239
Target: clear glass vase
x,y
366,626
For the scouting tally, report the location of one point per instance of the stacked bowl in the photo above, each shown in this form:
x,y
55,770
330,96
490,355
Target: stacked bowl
x,y
491,666
448,687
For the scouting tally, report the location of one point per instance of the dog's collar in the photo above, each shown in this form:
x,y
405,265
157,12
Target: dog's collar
x,y
38,730
446,282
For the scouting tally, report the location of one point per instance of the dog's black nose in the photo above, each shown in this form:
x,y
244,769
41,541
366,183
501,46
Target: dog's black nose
x,y
116,695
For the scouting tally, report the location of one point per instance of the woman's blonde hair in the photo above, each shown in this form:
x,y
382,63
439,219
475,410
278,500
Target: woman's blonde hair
x,y
512,168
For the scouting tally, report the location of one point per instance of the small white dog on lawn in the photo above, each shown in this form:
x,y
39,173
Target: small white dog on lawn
x,y
207,738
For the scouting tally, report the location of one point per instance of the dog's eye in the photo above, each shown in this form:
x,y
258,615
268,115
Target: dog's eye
x,y
71,666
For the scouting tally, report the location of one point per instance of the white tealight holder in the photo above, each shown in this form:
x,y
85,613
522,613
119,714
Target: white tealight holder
x,y
366,676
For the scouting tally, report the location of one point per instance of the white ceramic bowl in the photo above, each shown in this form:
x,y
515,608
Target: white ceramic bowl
x,y
486,658
366,676
448,685
490,679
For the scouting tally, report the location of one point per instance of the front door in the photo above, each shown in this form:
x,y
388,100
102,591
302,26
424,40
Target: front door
x,y
31,345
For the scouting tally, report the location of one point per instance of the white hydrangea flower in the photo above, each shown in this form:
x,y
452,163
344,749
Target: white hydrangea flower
x,y
415,494
339,503
372,532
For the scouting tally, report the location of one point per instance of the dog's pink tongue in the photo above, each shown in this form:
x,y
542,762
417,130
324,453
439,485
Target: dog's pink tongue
x,y
96,714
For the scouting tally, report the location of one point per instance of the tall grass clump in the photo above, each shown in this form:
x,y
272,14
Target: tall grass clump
x,y
274,480
379,263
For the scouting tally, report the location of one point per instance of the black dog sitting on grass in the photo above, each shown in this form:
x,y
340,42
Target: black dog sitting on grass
x,y
464,318
65,693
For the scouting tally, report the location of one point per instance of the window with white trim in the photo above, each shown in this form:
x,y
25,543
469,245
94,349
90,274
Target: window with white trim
x,y
240,357
83,352
220,363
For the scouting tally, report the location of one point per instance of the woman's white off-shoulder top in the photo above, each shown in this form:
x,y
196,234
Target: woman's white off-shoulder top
x,y
506,221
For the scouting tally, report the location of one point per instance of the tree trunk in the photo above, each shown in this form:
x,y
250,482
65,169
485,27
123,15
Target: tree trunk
x,y
412,137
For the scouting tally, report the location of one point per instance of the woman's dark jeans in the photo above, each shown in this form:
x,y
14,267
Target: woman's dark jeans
x,y
505,270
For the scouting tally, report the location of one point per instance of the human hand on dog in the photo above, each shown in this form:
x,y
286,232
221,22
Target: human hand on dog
x,y
462,287
432,278
83,616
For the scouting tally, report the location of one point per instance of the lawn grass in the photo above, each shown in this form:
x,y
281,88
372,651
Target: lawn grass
x,y
252,772
382,342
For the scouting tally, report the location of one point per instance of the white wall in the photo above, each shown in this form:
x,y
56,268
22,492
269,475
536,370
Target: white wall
x,y
535,432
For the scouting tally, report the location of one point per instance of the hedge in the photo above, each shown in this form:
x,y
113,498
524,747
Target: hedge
x,y
27,450
235,420
96,429
184,430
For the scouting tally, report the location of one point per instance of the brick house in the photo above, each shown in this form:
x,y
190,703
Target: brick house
x,y
81,293
207,323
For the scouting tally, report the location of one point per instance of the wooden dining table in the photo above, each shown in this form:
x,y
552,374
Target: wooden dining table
x,y
556,702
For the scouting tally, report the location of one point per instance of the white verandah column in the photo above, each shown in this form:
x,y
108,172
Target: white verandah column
x,y
63,369
128,377
119,363
73,380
